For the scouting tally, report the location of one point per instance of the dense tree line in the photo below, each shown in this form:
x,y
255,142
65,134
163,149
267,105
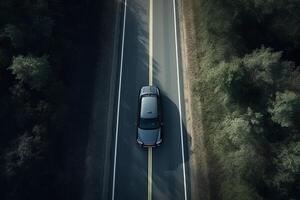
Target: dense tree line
x,y
38,43
249,85
28,80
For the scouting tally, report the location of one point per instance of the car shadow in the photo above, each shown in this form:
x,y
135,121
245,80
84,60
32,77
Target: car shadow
x,y
168,179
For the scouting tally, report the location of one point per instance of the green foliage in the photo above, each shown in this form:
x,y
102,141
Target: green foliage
x,y
27,100
19,93
249,54
287,168
27,112
263,65
230,78
281,17
238,190
236,144
27,148
250,79
31,70
213,47
285,109
246,164
237,131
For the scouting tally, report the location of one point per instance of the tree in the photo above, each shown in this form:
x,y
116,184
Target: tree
x,y
242,161
287,163
230,77
24,164
263,66
34,71
26,149
251,79
285,109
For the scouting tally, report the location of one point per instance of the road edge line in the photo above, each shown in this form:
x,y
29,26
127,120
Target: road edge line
x,y
105,194
150,39
119,97
179,99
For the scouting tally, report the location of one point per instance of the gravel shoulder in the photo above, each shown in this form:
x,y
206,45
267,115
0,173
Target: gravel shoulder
x,y
198,166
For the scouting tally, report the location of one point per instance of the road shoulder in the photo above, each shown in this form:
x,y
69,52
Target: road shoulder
x,y
99,150
198,167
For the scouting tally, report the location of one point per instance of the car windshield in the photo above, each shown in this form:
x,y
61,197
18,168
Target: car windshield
x,y
152,123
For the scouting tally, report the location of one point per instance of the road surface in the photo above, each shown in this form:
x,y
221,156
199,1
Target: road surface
x,y
150,56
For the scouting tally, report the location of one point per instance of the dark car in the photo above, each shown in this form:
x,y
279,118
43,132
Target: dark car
x,y
149,120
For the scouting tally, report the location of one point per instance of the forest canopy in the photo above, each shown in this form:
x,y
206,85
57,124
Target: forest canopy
x,y
38,42
249,85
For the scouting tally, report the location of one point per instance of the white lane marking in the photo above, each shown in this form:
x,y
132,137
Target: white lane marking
x,y
150,173
179,98
119,97
150,42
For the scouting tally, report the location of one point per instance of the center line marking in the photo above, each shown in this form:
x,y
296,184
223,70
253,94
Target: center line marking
x,y
150,173
151,42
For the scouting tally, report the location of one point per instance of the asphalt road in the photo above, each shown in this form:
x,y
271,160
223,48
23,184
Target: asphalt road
x,y
150,56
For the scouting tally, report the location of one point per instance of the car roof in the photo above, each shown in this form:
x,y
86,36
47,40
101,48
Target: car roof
x,y
149,107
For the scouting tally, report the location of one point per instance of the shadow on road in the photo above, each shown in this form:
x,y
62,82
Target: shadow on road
x,y
168,180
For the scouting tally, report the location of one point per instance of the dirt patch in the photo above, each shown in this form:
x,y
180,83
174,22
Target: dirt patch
x,y
190,57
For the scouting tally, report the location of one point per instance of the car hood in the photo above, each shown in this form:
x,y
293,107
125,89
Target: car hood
x,y
148,137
